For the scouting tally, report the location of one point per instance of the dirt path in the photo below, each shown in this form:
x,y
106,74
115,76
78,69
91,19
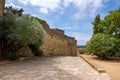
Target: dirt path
x,y
111,66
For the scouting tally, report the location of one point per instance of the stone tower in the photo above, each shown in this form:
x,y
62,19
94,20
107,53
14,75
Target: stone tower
x,y
2,4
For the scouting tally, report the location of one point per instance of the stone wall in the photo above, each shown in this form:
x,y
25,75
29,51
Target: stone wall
x,y
25,52
56,43
2,3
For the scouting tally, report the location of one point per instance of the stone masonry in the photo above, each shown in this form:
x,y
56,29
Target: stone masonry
x,y
56,43
2,3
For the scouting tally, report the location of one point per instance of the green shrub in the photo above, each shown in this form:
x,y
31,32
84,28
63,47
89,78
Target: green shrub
x,y
36,51
103,45
12,56
20,31
27,31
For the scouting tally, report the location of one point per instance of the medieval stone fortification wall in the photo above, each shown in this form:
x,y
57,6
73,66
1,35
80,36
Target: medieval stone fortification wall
x,y
56,43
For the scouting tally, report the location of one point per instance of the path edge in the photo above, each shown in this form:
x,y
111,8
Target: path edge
x,y
96,67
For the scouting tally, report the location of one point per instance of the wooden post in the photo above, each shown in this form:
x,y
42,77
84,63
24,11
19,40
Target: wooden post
x,y
2,6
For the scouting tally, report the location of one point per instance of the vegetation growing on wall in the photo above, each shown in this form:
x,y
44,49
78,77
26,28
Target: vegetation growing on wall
x,y
105,41
19,30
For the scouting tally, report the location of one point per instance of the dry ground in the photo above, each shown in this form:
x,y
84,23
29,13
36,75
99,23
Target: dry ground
x,y
112,67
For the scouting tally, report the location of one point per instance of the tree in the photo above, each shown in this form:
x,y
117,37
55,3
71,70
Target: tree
x,y
96,24
105,41
112,23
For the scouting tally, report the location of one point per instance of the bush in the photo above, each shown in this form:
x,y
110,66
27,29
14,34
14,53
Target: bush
x,y
82,51
36,51
12,56
103,45
27,31
19,31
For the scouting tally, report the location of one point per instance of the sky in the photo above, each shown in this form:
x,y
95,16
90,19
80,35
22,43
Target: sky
x,y
72,16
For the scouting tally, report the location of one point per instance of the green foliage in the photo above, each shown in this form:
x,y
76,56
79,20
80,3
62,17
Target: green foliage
x,y
105,41
109,25
112,23
96,24
18,30
27,31
12,56
40,20
35,49
103,45
6,24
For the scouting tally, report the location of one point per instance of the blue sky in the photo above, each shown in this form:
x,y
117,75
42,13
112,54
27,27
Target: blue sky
x,y
72,16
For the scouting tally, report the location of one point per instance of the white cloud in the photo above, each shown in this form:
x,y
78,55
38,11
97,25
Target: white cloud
x,y
79,15
11,3
87,8
68,28
44,5
44,10
24,1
